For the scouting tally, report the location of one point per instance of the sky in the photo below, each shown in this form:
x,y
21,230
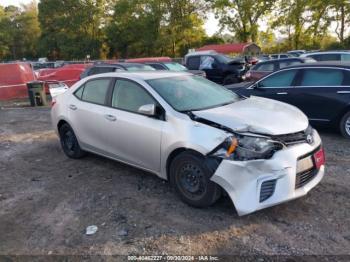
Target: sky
x,y
211,25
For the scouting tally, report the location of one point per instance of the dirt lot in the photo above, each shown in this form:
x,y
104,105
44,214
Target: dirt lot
x,y
48,200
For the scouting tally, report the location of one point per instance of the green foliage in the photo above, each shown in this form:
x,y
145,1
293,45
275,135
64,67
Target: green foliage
x,y
154,27
73,29
19,32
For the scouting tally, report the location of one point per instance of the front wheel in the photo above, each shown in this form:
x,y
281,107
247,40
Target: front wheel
x,y
191,179
70,143
345,125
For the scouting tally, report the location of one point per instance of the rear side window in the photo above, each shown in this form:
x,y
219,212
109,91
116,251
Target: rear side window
x,y
193,63
79,92
265,67
326,57
322,77
95,91
130,96
280,79
289,63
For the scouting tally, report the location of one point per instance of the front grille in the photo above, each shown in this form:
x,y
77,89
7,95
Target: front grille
x,y
267,189
304,178
295,138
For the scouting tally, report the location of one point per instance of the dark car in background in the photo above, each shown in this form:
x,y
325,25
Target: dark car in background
x,y
265,68
320,90
101,68
219,68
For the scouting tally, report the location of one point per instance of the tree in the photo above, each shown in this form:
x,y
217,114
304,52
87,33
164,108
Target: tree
x,y
19,31
242,16
72,29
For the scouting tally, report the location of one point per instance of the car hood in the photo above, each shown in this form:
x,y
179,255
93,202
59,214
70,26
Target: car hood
x,y
258,115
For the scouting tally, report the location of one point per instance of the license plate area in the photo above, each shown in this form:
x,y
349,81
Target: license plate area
x,y
305,164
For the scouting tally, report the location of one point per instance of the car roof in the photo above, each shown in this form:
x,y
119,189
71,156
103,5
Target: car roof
x,y
142,75
323,64
117,64
283,59
325,53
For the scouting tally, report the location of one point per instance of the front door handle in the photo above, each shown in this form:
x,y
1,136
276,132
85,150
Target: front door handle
x,y
73,107
343,92
282,93
110,118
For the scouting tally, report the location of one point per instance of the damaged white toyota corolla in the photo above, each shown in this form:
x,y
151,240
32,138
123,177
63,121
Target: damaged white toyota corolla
x,y
203,138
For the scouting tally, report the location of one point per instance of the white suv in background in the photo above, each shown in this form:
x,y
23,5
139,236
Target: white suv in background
x,y
329,56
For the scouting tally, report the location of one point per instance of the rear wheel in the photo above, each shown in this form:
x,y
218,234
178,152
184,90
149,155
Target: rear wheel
x,y
231,79
345,125
191,179
70,143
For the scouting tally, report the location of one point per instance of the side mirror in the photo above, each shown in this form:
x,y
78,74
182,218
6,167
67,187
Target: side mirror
x,y
148,110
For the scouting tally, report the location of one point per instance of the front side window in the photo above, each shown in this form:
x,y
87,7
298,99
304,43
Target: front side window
x,y
280,79
130,96
193,62
322,77
192,93
95,91
158,66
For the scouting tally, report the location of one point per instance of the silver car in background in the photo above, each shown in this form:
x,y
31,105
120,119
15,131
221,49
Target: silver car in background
x,y
198,135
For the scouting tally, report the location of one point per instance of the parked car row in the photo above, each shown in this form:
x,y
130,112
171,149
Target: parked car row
x,y
321,90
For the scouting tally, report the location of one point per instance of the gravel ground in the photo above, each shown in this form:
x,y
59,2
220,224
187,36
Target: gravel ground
x,y
48,200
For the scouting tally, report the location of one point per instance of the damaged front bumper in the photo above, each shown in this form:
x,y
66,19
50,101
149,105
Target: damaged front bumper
x,y
257,184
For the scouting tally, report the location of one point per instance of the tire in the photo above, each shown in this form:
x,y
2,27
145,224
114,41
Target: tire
x,y
70,143
191,179
345,125
230,79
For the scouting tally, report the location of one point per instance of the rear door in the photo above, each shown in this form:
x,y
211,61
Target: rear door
x,y
323,93
87,114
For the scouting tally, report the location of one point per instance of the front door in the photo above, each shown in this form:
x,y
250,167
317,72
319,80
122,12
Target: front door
x,y
136,138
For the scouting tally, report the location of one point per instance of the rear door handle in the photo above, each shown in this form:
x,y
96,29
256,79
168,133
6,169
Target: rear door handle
x,y
343,92
282,93
110,118
73,107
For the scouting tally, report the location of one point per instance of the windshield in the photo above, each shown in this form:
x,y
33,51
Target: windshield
x,y
139,68
192,93
175,67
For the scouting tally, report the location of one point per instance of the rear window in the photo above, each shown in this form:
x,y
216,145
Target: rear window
x,y
100,70
95,91
322,77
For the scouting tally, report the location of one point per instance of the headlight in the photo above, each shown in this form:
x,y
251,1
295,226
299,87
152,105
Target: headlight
x,y
242,148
